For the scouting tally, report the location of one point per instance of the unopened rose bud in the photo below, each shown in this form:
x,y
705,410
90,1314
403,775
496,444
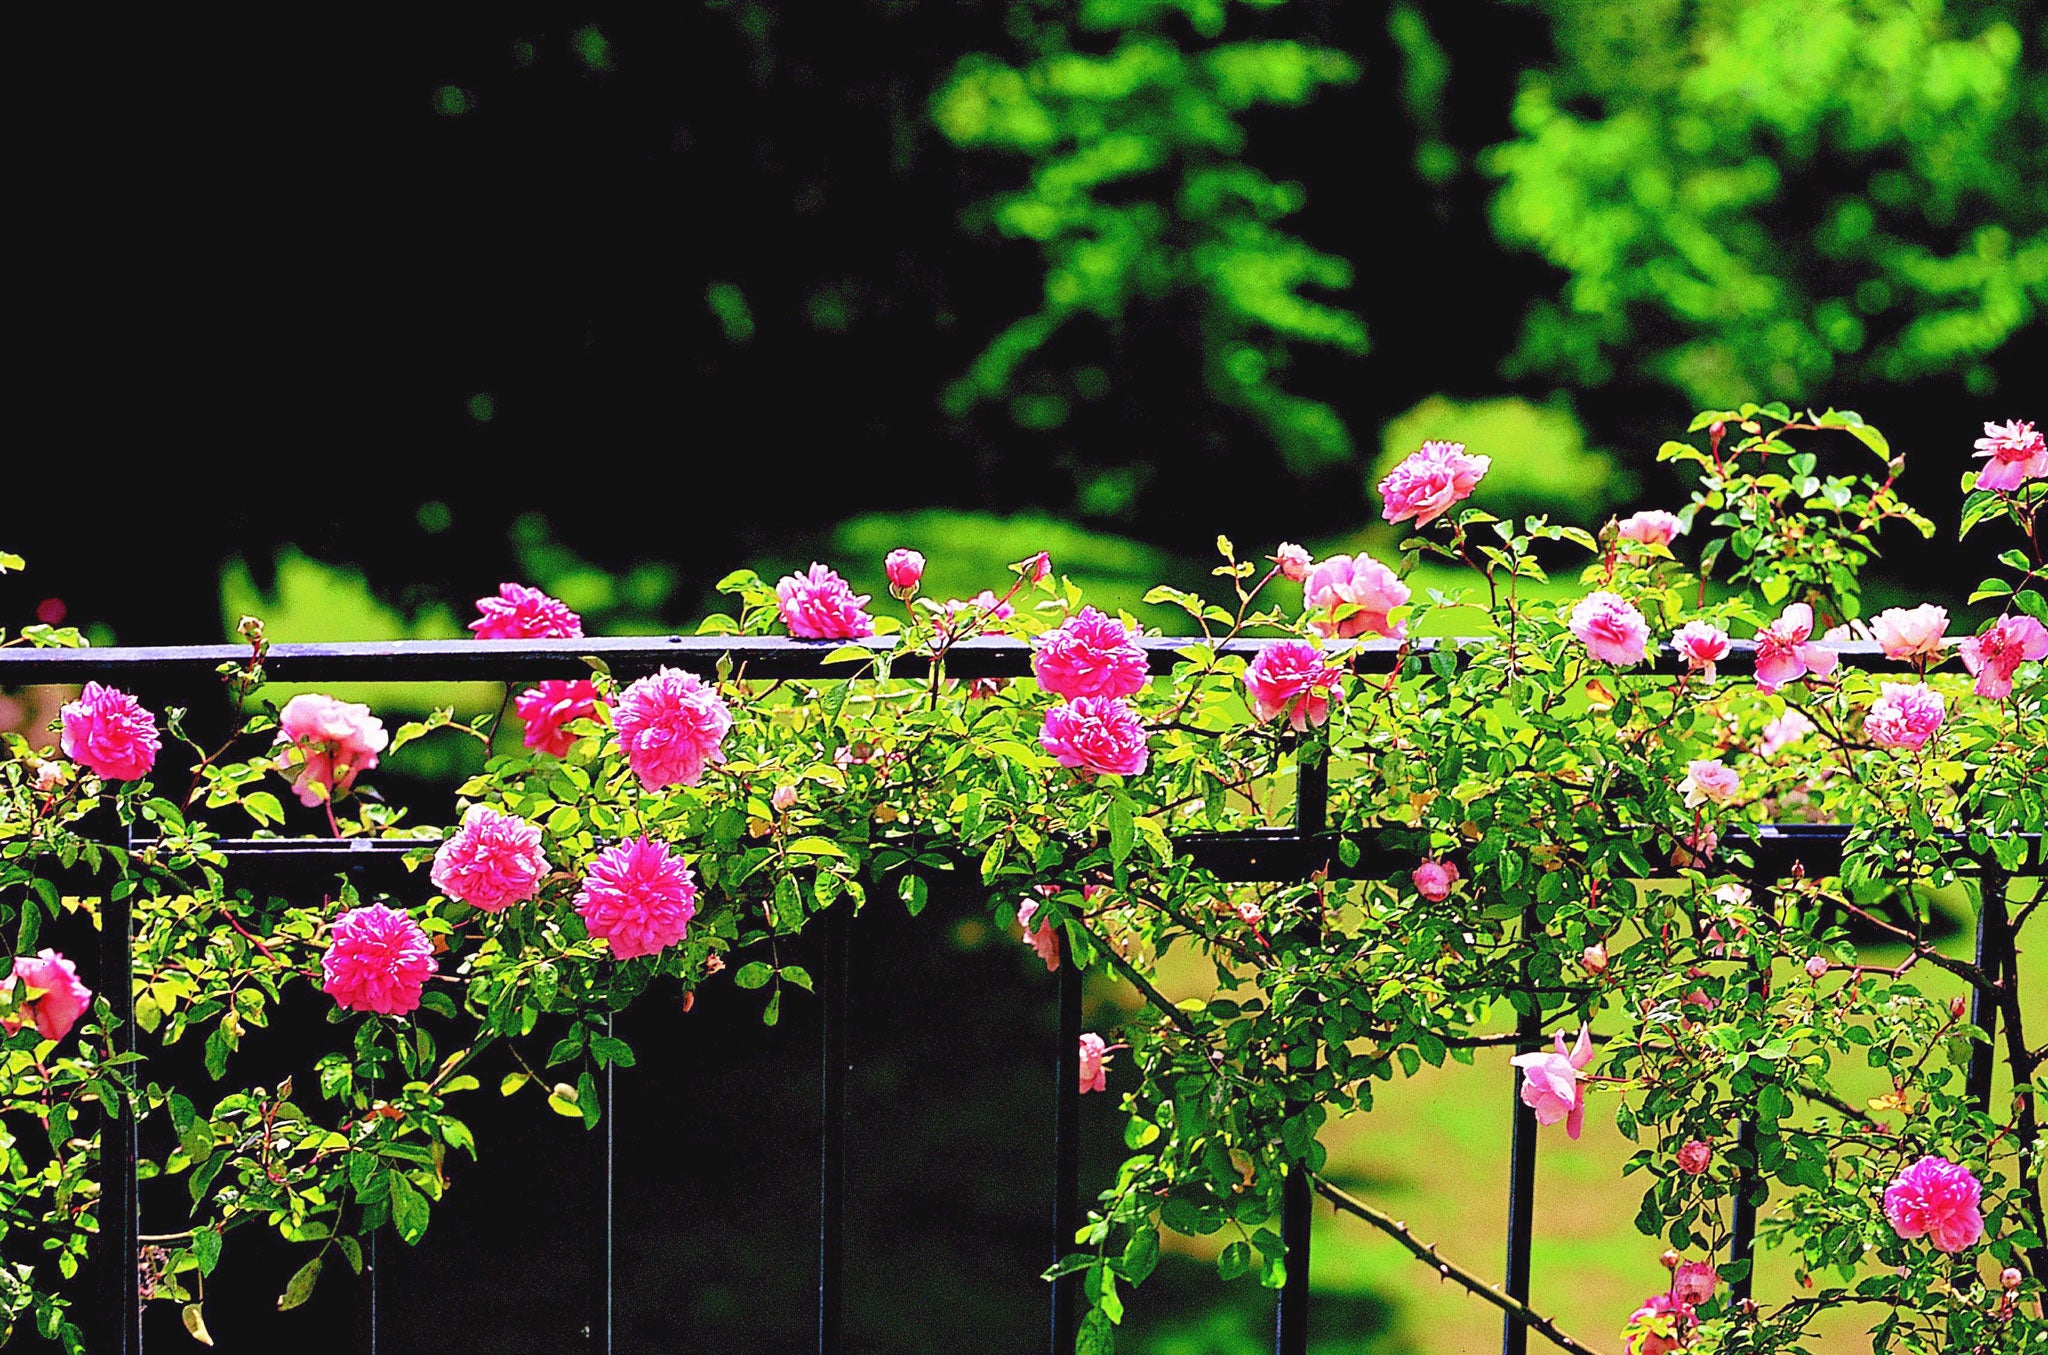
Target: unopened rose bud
x,y
1294,562
904,568
1038,566
1956,1007
2010,1277
1817,967
1669,1259
713,963
689,1001
1595,958
784,797
565,1092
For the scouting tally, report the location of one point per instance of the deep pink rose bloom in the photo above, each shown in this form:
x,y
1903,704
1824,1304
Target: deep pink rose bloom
x,y
1551,1085
2017,454
1294,562
1702,644
1290,678
1045,938
1090,655
522,613
1783,651
108,733
56,998
1349,596
378,961
1936,1199
1710,781
638,896
1997,654
1432,478
548,707
670,724
1651,527
1910,633
1695,1157
1433,879
1611,628
330,743
1094,1063
1905,715
820,606
491,862
1787,729
1661,1326
1096,734
1694,1282
904,568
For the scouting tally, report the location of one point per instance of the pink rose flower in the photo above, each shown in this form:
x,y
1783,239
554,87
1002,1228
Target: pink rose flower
x,y
1787,729
522,613
1038,567
638,897
2017,454
982,612
820,606
1694,1282
1910,633
1090,655
548,707
1433,879
1997,654
1905,715
1550,1082
330,743
1097,734
1783,651
783,798
1250,913
378,961
1816,966
53,999
1695,1157
1432,478
1702,644
1349,596
1294,562
1290,678
491,862
1045,938
1935,1199
1594,958
1611,628
1651,527
670,724
1710,781
108,733
1662,1326
904,568
1094,1063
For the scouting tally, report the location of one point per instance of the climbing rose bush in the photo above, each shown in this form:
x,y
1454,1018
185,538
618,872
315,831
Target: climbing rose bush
x,y
1544,848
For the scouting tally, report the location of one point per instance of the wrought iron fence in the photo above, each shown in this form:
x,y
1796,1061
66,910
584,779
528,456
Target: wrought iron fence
x,y
1269,856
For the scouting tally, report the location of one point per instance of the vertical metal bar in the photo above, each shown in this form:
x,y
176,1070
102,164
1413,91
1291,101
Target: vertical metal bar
x,y
1297,1202
118,1252
1514,1337
1742,1236
1066,1149
1990,954
603,1163
367,1290
832,1134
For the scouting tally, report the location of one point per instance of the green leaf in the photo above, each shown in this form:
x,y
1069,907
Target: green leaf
x,y
1122,830
1235,1261
206,1249
1097,1335
408,1213
1141,1254
301,1287
753,974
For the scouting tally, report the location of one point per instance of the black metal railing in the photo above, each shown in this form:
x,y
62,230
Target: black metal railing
x,y
1271,856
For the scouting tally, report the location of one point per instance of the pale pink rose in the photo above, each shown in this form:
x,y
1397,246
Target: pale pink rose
x,y
1294,562
49,775
820,606
1348,596
1816,966
548,707
1433,879
1430,480
2010,1278
1910,633
522,613
1784,652
329,743
1611,628
1290,678
1787,729
1997,654
783,798
1090,655
904,568
108,733
1695,1157
1694,1282
492,861
1938,1200
2017,454
1710,781
1097,734
1094,1063
1662,1326
377,961
52,998
1905,715
670,725
1250,913
1702,644
1045,938
638,897
1594,958
1551,1085
1651,527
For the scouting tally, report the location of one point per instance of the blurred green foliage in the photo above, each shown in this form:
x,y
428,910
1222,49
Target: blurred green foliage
x,y
1778,195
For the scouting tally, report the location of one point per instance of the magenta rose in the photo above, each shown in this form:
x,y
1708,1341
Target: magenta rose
x,y
1290,678
378,961
548,707
819,605
638,897
522,613
1997,654
52,999
1938,1200
1433,478
670,725
1090,655
108,733
1784,652
1097,734
491,862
